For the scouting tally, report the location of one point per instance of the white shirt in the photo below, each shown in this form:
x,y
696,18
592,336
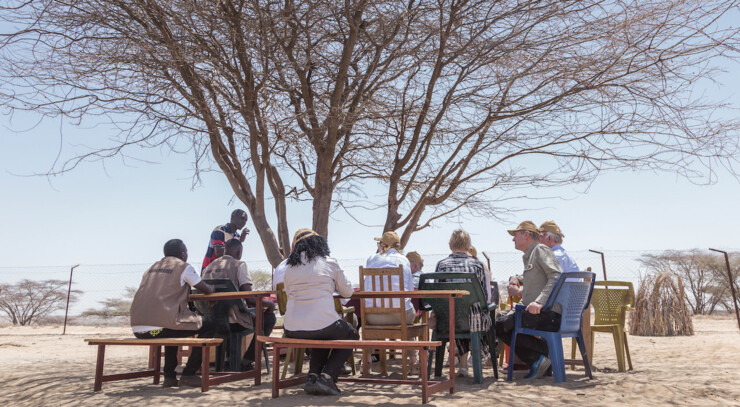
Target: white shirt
x,y
390,259
190,277
278,276
310,287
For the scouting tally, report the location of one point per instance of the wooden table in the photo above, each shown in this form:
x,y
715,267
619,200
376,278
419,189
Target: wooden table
x,y
451,295
259,295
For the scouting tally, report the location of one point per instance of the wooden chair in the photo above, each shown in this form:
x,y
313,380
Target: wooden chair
x,y
380,280
296,354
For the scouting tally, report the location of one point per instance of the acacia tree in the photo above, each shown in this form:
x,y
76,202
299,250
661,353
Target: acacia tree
x,y
443,103
28,301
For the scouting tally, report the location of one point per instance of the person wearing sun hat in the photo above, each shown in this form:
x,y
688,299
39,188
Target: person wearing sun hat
x,y
552,237
417,263
389,256
541,271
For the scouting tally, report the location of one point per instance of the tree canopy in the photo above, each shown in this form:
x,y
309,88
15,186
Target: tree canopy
x,y
450,106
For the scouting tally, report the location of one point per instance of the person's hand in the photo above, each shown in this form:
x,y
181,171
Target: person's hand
x,y
269,305
244,234
514,290
534,308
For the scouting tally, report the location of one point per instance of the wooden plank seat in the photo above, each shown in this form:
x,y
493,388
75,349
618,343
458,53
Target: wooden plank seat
x,y
423,347
155,371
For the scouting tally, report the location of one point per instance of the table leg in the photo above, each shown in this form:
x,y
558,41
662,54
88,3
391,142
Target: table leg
x,y
99,368
453,348
423,359
205,368
258,344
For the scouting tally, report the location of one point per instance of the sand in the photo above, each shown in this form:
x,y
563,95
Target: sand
x,y
40,367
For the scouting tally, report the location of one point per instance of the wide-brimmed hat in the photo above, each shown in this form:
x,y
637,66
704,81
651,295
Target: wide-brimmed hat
x,y
527,225
415,258
552,227
389,238
301,234
472,252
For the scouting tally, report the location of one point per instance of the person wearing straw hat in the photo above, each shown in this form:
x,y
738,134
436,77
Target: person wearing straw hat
x,y
311,279
389,256
552,237
416,263
278,275
541,271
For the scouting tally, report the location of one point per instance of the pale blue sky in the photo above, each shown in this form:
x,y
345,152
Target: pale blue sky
x,y
123,212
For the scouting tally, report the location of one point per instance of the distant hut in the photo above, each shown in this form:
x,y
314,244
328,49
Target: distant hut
x,y
661,308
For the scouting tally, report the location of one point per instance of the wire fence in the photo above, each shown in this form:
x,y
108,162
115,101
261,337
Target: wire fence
x,y
98,282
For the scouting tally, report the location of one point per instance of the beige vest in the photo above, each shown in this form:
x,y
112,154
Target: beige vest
x,y
161,301
228,267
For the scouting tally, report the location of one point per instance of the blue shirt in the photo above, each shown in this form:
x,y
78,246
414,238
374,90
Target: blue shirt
x,y
566,262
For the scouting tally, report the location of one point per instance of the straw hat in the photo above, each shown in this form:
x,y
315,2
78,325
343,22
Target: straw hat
x,y
415,258
527,225
389,238
551,227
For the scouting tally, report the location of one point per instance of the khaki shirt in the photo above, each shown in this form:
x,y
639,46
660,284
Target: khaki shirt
x,y
541,271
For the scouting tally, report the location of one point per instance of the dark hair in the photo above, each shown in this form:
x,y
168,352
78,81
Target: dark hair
x,y
238,213
314,246
233,244
173,248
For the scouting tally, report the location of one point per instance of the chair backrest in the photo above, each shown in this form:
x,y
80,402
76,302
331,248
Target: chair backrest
x,y
282,298
573,292
611,299
381,279
220,312
453,281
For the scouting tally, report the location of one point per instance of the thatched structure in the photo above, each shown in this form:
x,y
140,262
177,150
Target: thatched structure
x,y
661,308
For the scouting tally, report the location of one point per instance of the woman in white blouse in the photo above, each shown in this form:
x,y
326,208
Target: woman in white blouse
x,y
311,279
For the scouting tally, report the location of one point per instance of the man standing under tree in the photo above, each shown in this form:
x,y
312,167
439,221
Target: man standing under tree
x,y
223,233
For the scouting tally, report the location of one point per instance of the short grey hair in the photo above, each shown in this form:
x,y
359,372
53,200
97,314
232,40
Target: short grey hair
x,y
555,237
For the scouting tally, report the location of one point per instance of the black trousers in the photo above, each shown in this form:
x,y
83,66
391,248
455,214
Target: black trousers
x,y
528,348
207,330
268,322
328,361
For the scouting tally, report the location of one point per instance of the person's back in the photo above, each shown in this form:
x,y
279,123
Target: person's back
x,y
390,257
235,270
160,310
310,287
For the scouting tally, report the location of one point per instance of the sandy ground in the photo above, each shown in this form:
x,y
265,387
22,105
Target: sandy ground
x,y
40,367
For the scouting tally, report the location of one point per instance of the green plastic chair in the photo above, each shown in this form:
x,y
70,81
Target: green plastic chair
x,y
611,301
440,306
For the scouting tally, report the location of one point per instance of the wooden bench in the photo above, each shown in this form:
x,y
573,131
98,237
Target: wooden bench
x,y
155,371
427,387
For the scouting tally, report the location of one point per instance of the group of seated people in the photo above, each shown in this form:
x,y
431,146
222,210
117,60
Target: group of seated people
x,y
311,280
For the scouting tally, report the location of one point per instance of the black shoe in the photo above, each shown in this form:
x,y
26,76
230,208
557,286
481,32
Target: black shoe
x,y
192,381
374,358
325,386
246,365
170,382
310,386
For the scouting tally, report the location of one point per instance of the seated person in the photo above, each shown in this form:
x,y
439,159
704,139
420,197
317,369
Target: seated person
x,y
417,264
311,279
389,256
541,271
160,310
480,320
230,266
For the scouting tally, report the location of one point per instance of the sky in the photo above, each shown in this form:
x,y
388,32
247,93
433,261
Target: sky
x,y
122,211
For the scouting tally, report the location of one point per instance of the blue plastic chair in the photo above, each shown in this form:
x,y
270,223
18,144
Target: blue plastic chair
x,y
573,292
